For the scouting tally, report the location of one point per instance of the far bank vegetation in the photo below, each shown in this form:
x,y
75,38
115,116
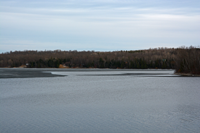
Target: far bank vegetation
x,y
183,60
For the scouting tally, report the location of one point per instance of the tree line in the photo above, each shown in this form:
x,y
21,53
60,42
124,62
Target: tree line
x,y
183,60
188,60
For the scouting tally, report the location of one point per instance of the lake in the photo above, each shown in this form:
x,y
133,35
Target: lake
x,y
98,101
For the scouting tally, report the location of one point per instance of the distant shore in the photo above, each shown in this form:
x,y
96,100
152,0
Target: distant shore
x,y
175,73
185,61
57,72
187,74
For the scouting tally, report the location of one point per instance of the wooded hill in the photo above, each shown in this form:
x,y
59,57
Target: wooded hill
x,y
183,60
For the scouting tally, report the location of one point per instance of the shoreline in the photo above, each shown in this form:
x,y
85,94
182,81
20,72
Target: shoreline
x,y
47,72
187,74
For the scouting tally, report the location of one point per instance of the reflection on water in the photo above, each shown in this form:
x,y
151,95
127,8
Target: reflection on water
x,y
100,101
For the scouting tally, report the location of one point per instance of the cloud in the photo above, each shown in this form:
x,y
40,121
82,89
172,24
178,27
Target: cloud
x,y
31,45
103,23
113,26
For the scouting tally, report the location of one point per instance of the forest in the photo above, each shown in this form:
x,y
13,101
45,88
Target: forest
x,y
183,59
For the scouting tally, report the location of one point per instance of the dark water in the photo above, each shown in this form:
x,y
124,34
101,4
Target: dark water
x,y
98,100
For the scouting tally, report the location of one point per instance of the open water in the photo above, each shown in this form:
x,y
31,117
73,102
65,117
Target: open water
x,y
98,101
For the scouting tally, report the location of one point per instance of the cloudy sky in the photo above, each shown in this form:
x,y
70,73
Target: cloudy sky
x,y
100,25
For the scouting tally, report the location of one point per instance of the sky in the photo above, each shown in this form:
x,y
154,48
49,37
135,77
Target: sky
x,y
99,25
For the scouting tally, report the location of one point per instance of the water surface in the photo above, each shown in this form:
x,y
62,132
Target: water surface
x,y
98,100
